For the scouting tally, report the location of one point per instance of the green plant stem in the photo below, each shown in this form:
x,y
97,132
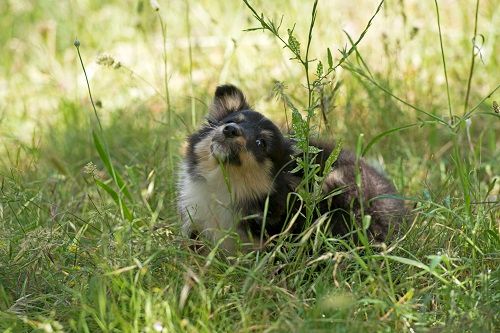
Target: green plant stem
x,y
167,93
77,45
354,46
310,91
272,28
444,63
165,68
105,153
472,61
190,53
387,91
482,101
306,61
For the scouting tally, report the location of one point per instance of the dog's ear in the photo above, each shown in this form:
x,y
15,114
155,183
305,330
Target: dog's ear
x,y
227,99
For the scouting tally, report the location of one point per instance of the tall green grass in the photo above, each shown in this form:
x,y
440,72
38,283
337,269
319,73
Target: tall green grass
x,y
89,233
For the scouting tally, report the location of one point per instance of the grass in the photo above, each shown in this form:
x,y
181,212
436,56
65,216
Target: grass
x,y
72,259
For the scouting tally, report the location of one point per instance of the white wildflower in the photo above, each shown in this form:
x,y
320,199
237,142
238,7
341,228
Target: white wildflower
x,y
468,122
158,327
155,5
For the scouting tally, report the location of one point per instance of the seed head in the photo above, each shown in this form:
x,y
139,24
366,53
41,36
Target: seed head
x,y
90,169
105,60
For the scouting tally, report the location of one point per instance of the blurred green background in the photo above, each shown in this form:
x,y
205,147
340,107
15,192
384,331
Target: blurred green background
x,y
206,45
39,69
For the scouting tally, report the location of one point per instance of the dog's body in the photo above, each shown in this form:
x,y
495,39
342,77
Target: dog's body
x,y
240,159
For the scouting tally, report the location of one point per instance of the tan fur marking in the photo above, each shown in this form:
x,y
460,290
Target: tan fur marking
x,y
240,141
226,104
202,150
232,102
266,134
251,179
240,118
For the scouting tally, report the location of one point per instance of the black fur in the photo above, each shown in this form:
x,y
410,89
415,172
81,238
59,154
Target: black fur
x,y
265,142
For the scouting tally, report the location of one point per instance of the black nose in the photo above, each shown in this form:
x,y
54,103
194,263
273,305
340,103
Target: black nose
x,y
231,131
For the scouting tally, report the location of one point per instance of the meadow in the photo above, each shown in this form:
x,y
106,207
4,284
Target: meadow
x,y
96,99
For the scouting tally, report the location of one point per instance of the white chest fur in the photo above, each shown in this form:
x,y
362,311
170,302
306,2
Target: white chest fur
x,y
205,207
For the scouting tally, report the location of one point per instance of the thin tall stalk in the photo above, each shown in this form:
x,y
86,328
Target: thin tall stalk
x,y
472,60
444,63
169,147
190,53
165,68
103,150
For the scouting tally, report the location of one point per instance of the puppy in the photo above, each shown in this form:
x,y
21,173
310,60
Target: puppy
x,y
239,159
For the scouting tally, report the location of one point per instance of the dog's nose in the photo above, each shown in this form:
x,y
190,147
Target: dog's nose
x,y
231,131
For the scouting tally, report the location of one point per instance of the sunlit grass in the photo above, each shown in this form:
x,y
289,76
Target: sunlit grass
x,y
72,260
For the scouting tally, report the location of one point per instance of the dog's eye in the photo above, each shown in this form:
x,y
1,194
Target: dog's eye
x,y
260,143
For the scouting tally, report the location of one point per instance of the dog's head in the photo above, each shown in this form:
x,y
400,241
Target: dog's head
x,y
240,140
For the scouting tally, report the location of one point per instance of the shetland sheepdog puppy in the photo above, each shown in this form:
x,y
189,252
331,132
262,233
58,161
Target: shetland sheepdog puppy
x,y
238,187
